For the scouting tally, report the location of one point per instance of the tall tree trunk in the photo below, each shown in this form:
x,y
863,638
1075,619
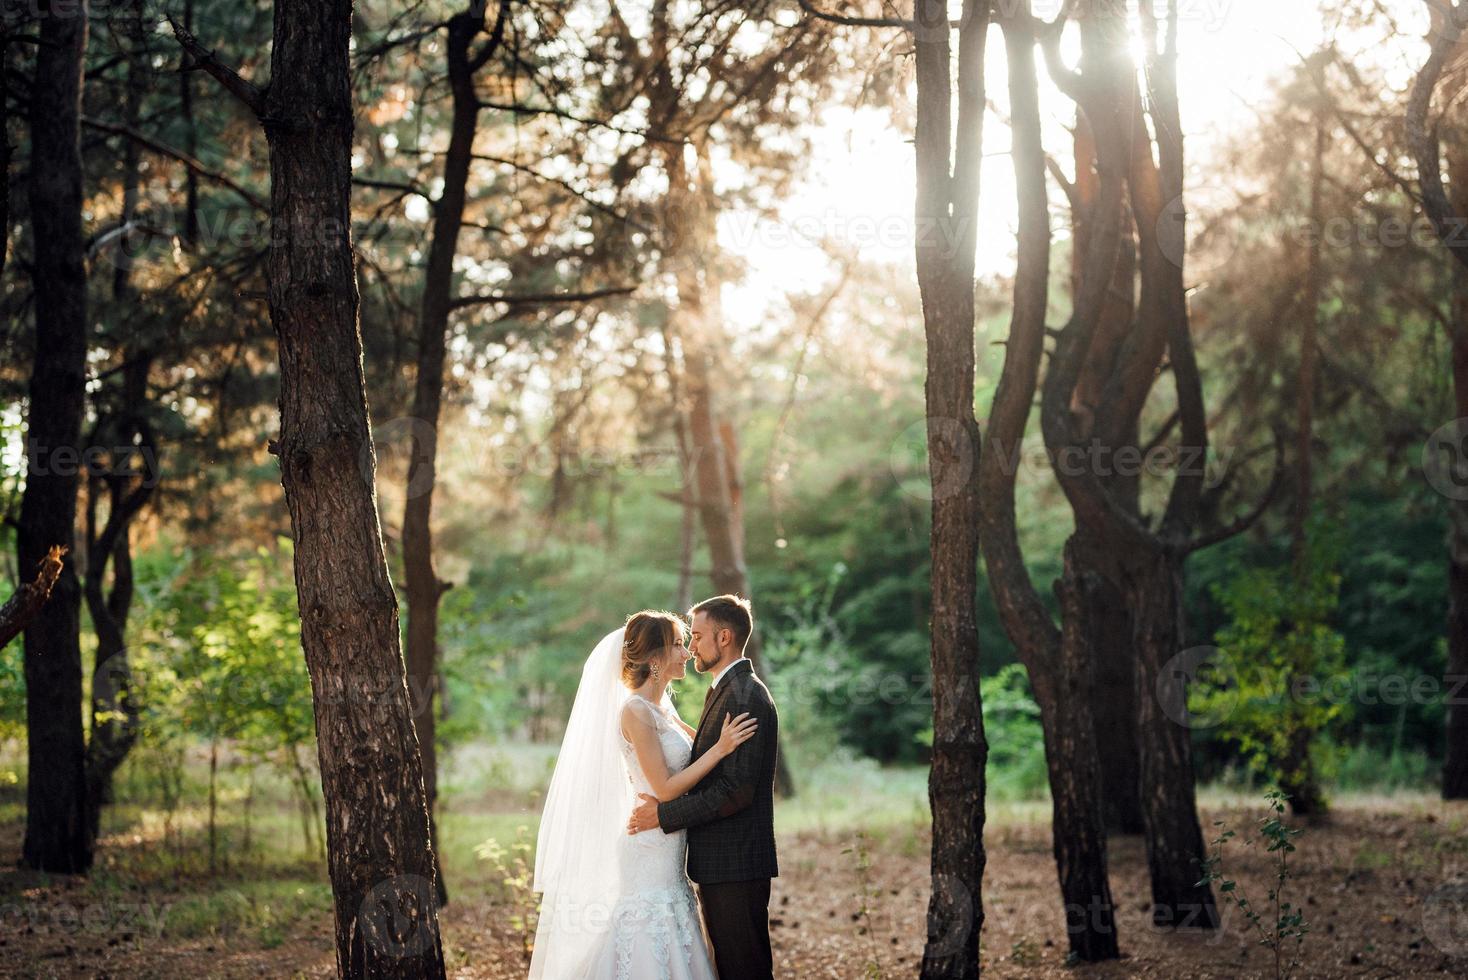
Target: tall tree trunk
x,y
191,140
1100,600
946,217
1305,379
6,149
687,492
1059,662
380,852
1073,759
115,711
715,456
1298,779
122,421
1447,217
1455,759
58,826
1114,708
1169,800
1150,560
423,587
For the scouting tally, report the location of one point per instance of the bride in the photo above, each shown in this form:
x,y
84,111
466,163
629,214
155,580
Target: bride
x,y
617,906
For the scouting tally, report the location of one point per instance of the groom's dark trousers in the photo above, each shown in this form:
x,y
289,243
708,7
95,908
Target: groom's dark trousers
x,y
730,819
737,914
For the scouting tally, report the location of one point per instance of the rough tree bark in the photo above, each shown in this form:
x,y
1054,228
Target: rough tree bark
x,y
1448,218
1150,566
1059,662
380,854
945,227
1097,568
423,588
58,826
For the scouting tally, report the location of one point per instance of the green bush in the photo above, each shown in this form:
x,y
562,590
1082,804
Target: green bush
x,y
1276,686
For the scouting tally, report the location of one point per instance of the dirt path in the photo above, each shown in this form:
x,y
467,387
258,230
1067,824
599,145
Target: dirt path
x,y
1378,885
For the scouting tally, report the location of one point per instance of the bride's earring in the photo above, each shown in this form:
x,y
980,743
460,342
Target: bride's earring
x,y
656,669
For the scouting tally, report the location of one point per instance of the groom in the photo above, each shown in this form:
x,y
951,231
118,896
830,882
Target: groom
x,y
729,816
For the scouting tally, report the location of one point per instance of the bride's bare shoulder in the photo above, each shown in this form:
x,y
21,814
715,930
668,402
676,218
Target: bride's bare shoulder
x,y
638,710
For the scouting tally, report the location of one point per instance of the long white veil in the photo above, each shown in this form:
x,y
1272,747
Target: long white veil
x,y
585,816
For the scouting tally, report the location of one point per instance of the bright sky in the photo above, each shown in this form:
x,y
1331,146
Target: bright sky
x,y
860,191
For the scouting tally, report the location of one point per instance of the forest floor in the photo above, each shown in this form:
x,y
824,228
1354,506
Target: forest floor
x,y
1383,883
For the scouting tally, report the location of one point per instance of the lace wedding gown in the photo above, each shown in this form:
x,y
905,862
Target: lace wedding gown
x,y
656,932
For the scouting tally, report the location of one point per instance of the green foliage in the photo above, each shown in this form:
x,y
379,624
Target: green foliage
x,y
513,866
1281,926
1016,767
216,650
1272,685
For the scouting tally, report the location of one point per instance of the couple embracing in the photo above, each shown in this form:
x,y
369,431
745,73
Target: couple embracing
x,y
641,802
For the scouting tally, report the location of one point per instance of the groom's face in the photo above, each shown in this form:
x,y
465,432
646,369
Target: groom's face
x,y
701,642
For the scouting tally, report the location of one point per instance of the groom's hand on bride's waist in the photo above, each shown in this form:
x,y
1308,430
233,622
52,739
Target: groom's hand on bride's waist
x,y
645,816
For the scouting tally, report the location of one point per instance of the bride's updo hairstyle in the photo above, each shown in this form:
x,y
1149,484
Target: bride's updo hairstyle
x,y
648,636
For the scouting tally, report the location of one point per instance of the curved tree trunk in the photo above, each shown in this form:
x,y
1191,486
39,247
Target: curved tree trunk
x,y
1455,757
1098,416
1149,560
1059,662
122,419
58,826
115,711
423,587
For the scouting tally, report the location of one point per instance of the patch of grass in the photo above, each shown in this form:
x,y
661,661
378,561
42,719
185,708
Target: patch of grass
x,y
846,793
265,911
1369,857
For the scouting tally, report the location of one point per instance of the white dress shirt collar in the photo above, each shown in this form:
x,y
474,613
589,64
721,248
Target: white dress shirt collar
x,y
725,669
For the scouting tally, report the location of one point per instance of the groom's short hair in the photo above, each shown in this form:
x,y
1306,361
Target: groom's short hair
x,y
731,612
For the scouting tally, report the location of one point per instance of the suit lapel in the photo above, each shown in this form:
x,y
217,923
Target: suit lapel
x,y
710,723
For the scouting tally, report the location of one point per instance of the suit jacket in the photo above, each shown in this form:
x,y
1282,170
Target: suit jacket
x,y
730,814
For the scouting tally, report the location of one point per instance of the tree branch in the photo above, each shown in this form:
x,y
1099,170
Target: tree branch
x,y
846,21
204,60
539,299
163,149
1422,139
1248,520
22,607
525,110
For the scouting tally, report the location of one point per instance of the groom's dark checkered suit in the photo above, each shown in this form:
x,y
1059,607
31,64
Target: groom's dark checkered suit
x,y
730,819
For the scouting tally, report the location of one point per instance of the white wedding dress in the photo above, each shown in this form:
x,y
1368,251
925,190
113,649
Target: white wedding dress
x,y
656,931
615,906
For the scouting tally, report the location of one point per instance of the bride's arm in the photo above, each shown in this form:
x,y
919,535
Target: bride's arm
x,y
688,729
669,786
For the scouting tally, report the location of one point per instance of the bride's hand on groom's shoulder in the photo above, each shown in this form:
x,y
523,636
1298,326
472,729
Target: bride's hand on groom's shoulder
x,y
736,731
